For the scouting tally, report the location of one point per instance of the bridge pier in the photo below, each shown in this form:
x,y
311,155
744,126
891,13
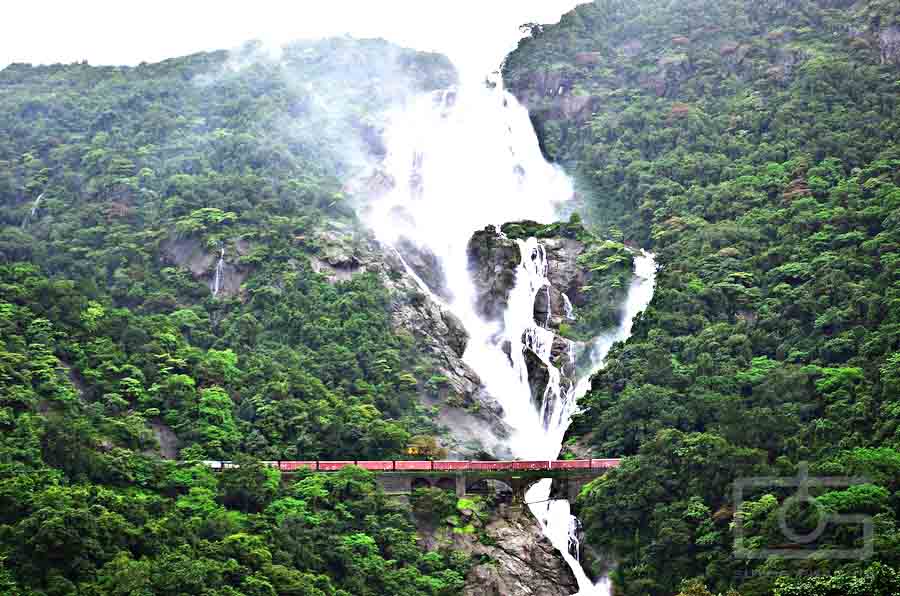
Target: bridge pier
x,y
565,486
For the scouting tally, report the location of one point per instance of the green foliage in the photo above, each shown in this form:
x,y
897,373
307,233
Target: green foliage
x,y
113,350
754,147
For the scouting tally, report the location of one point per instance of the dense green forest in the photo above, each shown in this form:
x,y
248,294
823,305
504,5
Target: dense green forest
x,y
120,189
161,235
755,148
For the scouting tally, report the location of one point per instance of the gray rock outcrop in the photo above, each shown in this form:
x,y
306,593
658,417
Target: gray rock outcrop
x,y
493,260
519,559
191,254
889,44
472,416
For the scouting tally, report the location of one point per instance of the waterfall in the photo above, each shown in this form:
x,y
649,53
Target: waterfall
x,y
220,268
459,160
34,208
555,517
569,309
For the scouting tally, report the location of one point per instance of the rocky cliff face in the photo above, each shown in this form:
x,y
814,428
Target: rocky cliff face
x,y
494,258
190,254
472,418
889,44
517,559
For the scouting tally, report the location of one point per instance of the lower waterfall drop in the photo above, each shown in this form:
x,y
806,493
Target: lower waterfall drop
x,y
555,517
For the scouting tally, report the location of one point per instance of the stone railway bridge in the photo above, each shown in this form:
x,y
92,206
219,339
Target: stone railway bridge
x,y
398,477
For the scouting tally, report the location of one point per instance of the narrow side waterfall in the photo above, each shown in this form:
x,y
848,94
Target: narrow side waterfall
x,y
217,280
33,213
458,161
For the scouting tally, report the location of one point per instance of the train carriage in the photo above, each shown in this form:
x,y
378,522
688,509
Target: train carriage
x,y
447,465
570,464
542,464
605,463
413,466
333,466
292,466
486,465
376,466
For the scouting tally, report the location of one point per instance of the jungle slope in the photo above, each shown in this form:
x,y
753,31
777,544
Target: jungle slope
x,y
755,147
122,190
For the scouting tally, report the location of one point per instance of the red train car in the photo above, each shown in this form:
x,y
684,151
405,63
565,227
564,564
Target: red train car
x,y
450,465
332,466
416,466
570,464
605,463
376,466
487,465
292,466
542,464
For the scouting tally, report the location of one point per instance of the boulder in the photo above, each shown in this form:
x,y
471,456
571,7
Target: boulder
x,y
493,260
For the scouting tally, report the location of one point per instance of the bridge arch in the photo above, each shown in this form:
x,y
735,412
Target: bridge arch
x,y
420,482
446,483
491,486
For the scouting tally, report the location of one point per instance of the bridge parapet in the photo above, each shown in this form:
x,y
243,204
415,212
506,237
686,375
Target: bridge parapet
x,y
401,477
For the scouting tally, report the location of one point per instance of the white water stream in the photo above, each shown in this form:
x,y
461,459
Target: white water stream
x,y
460,160
33,212
217,279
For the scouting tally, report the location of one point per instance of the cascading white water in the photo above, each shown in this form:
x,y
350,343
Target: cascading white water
x,y
34,208
220,268
559,525
460,160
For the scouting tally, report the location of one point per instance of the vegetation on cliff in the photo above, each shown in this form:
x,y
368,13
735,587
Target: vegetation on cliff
x,y
755,147
129,195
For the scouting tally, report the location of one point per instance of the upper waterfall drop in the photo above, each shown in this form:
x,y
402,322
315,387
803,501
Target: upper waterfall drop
x,y
457,161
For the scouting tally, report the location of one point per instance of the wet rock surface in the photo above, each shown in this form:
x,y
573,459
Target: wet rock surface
x,y
520,560
472,416
493,259
190,254
427,266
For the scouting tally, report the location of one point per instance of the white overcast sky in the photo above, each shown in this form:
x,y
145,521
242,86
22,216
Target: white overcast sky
x,y
474,33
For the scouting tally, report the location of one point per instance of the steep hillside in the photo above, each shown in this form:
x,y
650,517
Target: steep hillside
x,y
755,147
176,260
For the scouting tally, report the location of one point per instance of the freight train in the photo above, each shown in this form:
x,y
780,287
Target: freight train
x,y
432,465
